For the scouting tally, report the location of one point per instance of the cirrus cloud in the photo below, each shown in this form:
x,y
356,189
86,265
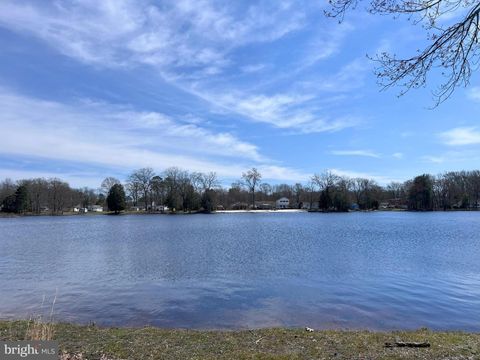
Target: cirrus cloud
x,y
461,136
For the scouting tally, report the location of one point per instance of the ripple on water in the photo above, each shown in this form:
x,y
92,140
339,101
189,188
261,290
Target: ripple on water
x,y
363,270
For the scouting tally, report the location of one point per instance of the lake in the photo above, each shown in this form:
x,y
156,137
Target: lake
x,y
378,270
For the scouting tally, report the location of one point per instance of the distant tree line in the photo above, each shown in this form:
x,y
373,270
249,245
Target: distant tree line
x,y
177,190
44,195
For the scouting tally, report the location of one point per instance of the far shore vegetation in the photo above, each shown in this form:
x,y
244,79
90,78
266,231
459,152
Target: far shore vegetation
x,y
179,191
80,342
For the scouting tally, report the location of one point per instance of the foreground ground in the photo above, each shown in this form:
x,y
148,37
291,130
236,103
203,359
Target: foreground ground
x,y
92,342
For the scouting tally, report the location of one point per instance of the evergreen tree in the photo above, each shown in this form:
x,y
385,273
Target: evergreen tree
x,y
16,203
209,200
340,202
325,201
191,200
8,204
21,199
116,198
421,193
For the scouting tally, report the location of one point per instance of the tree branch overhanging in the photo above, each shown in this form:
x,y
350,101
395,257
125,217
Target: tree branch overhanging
x,y
454,49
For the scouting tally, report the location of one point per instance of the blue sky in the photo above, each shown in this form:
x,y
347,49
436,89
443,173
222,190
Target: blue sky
x,y
90,89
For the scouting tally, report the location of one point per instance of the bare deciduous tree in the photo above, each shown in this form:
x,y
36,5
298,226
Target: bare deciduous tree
x,y
7,187
209,181
133,189
297,190
59,192
107,184
196,180
326,183
183,185
266,189
364,192
395,189
252,179
157,186
172,176
38,193
453,46
142,179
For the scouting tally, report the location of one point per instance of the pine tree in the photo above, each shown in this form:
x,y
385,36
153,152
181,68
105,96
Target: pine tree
x,y
116,198
21,199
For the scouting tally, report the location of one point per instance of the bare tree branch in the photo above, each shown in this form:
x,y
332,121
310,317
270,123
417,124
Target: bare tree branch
x,y
452,49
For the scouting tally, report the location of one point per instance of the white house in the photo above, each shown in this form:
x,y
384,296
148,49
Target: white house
x,y
160,208
95,208
156,207
282,203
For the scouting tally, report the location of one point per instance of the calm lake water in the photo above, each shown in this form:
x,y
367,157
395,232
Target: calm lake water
x,y
382,270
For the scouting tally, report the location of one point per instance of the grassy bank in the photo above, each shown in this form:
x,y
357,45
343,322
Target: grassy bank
x,y
152,343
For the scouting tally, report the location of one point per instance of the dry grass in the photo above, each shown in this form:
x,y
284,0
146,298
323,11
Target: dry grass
x,y
81,357
39,328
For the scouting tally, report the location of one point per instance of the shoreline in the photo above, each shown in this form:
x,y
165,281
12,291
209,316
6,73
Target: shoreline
x,y
259,211
123,213
112,343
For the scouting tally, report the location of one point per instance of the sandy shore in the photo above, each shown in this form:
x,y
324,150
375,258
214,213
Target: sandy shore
x,y
280,211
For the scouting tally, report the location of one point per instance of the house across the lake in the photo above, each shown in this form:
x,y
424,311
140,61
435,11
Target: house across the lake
x,y
264,205
161,208
282,203
95,208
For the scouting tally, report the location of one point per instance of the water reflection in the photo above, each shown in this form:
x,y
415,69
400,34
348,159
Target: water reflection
x,y
375,270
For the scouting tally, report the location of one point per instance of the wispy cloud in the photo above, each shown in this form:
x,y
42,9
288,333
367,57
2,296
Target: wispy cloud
x,y
118,137
253,68
350,76
461,136
365,153
283,110
433,159
173,36
210,85
474,93
192,44
130,126
467,159
407,134
325,43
